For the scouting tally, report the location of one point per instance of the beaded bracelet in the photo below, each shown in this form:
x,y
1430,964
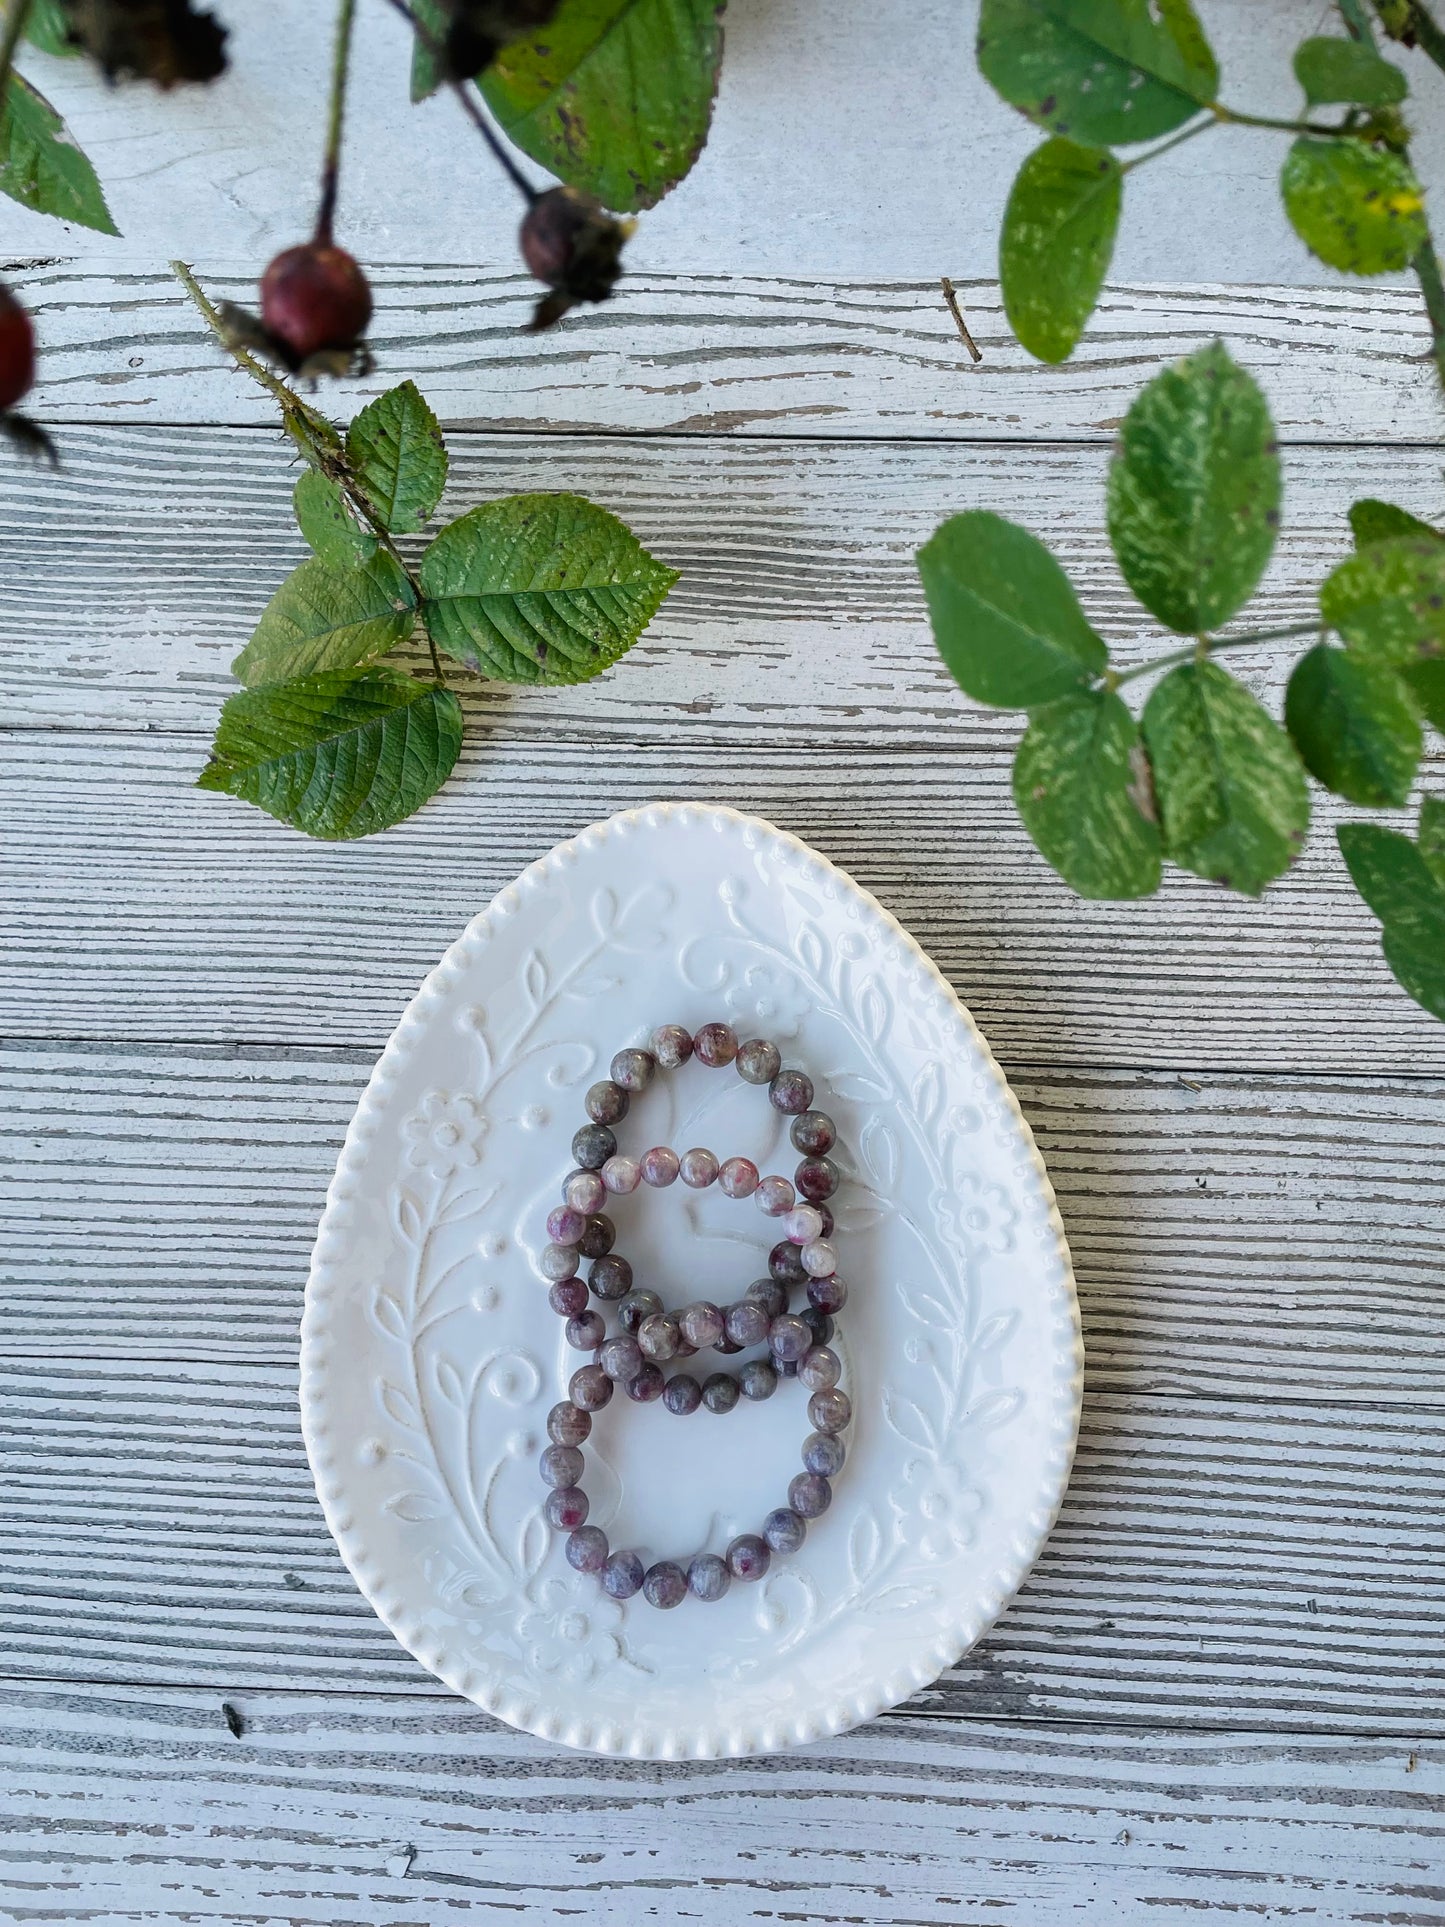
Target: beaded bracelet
x,y
650,1337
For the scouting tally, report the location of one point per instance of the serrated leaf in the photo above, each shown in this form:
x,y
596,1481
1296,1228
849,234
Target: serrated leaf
x,y
397,454
337,756
1105,71
614,96
1430,838
1194,491
325,519
47,28
322,621
1057,239
1388,600
1426,682
434,18
540,588
1081,786
41,166
1355,207
1005,617
1393,876
1233,801
1354,726
1331,69
1373,521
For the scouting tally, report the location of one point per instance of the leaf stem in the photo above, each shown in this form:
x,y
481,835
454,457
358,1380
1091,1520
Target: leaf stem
x,y
16,16
470,107
1426,264
336,117
1175,140
1206,646
1352,12
1236,118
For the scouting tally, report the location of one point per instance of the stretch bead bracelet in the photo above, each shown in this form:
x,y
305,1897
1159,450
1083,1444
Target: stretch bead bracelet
x,y
650,1337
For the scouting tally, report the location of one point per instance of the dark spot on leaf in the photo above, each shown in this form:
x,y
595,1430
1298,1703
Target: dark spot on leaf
x,y
1047,104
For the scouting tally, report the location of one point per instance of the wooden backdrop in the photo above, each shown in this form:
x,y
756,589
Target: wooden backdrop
x,y
1222,1690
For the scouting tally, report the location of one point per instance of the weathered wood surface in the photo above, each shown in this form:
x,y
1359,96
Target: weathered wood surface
x,y
122,1808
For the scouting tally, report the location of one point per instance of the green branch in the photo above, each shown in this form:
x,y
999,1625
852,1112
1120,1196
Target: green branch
x,y
1205,646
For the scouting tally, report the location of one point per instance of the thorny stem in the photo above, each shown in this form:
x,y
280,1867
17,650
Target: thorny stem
x,y
331,163
16,16
312,433
471,107
1206,646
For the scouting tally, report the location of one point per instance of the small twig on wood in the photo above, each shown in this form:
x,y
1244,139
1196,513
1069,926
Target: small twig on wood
x,y
950,295
233,1719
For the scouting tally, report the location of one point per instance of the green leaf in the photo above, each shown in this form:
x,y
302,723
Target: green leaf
x,y
41,166
1081,785
1232,795
1372,521
326,520
1357,208
324,620
540,588
47,28
337,756
1388,600
1426,682
1194,491
1348,71
1354,726
396,452
1430,839
1397,882
1005,617
614,96
434,17
1104,71
1058,235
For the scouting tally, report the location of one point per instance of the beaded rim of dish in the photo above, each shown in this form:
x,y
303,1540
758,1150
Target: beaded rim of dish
x,y
640,1741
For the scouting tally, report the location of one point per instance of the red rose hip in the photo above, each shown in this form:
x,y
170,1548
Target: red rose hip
x,y
313,298
17,350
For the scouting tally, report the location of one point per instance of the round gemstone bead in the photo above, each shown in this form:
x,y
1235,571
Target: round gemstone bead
x,y
698,1168
684,1349
606,1103
665,1584
720,1393
660,1166
785,1530
726,1346
598,1237
587,1549
634,1070
561,1465
621,1175
568,1424
816,1179
820,1260
715,1045
757,1380
809,1496
589,1387
567,1297
647,1386
566,1225
682,1394
708,1576
785,1264
738,1178
772,1296
557,1261
636,1306
671,1045
813,1133
821,1369
593,1145
746,1323
830,1411
622,1575
658,1336
585,1191
758,1061
827,1216
819,1323
827,1295
790,1339
701,1324
774,1196
791,1092
803,1224
823,1454
621,1358
610,1277
586,1331
748,1556
566,1508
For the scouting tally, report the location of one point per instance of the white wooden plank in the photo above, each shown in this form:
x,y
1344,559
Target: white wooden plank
x,y
1232,1235
718,353
143,909
123,1809
1215,1563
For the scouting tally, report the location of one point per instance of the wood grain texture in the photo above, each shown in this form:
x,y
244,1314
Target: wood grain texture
x,y
779,355
123,1808
1215,1563
1233,1235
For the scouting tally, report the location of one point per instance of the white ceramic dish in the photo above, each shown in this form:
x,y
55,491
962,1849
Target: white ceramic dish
x,y
430,1357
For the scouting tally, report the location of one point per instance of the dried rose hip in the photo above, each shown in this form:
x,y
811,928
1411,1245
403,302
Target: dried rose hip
x,y
570,242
